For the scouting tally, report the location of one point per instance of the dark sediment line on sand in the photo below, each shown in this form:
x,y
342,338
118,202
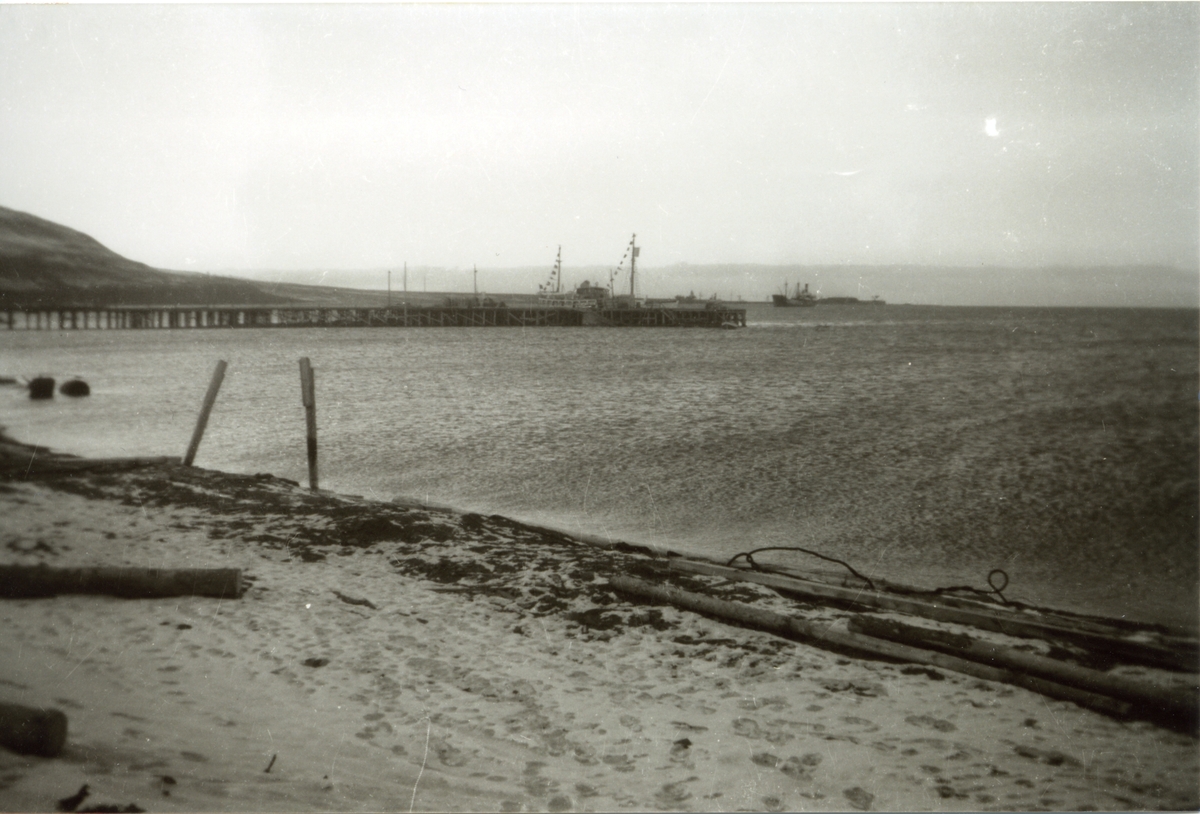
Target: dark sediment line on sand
x,y
539,570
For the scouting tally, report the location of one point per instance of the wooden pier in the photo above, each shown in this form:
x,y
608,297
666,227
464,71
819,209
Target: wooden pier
x,y
179,317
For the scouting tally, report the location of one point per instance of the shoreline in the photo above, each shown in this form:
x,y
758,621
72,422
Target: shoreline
x,y
387,656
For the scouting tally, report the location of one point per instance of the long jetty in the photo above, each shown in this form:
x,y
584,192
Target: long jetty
x,y
178,317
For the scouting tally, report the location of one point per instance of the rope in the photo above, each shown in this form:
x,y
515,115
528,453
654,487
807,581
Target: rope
x,y
749,555
998,590
992,576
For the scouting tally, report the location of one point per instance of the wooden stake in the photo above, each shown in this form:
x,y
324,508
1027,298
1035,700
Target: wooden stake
x,y
209,399
308,395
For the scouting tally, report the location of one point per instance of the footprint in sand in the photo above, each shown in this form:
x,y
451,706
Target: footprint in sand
x,y
448,755
672,794
747,728
800,768
560,802
619,763
929,722
859,798
1051,757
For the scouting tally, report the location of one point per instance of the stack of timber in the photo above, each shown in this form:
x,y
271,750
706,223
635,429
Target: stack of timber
x,y
1057,654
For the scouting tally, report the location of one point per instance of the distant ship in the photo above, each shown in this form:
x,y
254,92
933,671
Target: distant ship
x,y
800,299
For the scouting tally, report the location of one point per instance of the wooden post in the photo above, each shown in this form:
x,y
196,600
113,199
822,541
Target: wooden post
x,y
209,398
308,395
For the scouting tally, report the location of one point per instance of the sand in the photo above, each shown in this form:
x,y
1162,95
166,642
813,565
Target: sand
x,y
391,657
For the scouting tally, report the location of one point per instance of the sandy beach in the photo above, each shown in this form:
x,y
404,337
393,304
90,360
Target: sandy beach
x,y
393,657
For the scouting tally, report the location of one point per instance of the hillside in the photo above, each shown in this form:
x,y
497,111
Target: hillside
x,y
45,264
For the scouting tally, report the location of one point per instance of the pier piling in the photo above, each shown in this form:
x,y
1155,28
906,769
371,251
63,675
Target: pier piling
x,y
456,314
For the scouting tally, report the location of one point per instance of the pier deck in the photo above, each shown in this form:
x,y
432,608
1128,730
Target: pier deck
x,y
179,317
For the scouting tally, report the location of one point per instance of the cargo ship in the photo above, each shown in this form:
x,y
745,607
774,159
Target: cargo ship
x,y
801,298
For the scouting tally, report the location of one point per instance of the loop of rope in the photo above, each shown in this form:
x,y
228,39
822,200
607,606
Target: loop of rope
x,y
993,576
749,555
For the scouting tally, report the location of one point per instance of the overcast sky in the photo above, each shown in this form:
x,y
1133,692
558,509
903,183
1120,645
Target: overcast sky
x,y
346,137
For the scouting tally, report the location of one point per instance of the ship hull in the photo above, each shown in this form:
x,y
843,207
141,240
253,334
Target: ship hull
x,y
780,301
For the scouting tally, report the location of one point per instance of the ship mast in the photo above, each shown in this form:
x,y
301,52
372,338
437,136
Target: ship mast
x,y
632,264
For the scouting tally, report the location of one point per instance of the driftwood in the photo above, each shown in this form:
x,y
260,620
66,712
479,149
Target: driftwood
x,y
1157,701
32,731
1183,656
17,581
824,635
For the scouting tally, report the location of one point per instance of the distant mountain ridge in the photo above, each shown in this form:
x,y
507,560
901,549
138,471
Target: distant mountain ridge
x,y
44,264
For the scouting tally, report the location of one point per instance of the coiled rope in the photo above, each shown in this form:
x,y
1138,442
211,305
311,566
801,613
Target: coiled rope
x,y
749,555
993,576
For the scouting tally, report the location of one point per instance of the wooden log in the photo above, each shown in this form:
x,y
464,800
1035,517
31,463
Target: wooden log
x,y
1168,702
52,465
210,398
823,634
24,581
308,396
32,731
1182,657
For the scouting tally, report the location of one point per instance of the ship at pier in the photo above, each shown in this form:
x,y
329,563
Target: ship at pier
x,y
589,295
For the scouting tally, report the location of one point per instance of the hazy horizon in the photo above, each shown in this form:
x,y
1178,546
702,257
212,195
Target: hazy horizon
x,y
1118,286
350,137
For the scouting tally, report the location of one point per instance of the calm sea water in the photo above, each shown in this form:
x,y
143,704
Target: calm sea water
x,y
922,444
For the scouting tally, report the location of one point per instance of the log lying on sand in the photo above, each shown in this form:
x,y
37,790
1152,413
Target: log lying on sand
x,y
32,731
13,467
1154,701
23,581
1182,655
823,634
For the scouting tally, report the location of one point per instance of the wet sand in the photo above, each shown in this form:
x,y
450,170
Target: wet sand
x,y
391,657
